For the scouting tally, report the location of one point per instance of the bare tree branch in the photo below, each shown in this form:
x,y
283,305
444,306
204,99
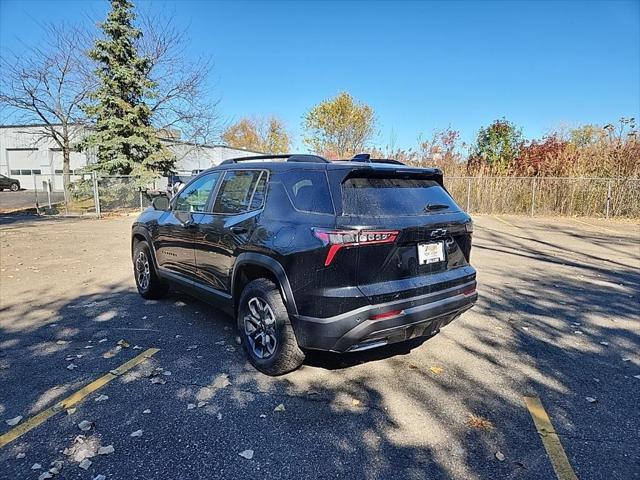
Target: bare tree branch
x,y
182,101
47,85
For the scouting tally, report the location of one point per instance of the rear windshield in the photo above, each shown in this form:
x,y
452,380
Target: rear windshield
x,y
394,196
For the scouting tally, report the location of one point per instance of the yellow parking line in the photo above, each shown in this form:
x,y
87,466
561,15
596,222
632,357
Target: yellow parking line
x,y
594,226
73,399
550,439
504,221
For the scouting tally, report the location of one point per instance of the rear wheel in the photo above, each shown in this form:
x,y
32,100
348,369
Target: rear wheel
x,y
150,285
265,330
14,187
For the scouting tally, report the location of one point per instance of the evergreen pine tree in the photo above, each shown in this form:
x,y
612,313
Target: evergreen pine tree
x,y
124,140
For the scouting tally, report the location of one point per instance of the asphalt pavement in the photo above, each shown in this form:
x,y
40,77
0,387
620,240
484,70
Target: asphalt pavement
x,y
557,320
26,200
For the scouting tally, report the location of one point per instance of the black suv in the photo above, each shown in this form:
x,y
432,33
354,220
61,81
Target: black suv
x,y
311,254
10,183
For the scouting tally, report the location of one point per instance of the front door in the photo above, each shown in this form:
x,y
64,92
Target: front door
x,y
176,228
220,234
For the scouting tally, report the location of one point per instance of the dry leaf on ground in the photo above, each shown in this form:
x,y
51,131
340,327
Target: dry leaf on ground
x,y
479,423
248,454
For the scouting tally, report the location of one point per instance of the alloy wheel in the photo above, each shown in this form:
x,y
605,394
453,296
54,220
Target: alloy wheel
x,y
143,271
260,328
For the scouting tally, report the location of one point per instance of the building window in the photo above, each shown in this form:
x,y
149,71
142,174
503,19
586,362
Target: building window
x,y
36,172
15,172
59,172
25,172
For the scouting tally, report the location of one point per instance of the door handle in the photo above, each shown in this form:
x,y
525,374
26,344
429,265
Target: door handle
x,y
189,225
239,229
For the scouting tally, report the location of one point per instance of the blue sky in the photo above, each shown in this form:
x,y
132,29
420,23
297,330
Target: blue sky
x,y
420,65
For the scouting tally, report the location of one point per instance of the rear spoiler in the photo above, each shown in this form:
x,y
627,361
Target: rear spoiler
x,y
434,174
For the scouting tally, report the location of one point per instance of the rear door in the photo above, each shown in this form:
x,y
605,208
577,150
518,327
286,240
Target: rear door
x,y
431,234
229,225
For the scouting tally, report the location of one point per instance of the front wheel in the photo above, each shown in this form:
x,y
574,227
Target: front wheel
x,y
265,330
14,187
150,285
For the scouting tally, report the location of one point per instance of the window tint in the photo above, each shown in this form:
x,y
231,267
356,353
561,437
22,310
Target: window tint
x,y
308,191
195,196
236,194
394,196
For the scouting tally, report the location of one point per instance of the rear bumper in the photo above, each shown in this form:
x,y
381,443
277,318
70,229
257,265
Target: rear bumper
x,y
353,331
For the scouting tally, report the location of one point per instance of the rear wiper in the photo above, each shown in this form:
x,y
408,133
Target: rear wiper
x,y
435,206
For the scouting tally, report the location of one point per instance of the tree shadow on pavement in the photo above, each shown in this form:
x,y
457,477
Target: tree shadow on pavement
x,y
403,411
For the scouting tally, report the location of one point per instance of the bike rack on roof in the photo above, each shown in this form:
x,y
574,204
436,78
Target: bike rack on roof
x,y
289,157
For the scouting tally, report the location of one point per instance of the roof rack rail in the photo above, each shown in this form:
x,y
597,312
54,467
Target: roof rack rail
x,y
290,157
366,158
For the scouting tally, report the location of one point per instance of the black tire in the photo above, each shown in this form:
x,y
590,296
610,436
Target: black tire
x,y
14,187
287,355
154,287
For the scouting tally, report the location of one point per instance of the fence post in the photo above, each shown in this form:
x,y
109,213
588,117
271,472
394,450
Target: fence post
x,y
469,195
141,199
96,195
533,195
606,215
49,194
35,187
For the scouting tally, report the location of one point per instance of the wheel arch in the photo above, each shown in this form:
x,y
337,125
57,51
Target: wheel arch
x,y
249,266
138,234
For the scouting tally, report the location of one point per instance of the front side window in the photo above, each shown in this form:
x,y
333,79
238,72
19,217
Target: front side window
x,y
241,191
195,196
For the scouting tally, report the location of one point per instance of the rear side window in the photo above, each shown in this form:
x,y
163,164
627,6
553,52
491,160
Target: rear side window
x,y
308,191
394,196
241,191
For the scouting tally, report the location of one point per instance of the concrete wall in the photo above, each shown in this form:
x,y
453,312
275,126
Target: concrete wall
x,y
24,152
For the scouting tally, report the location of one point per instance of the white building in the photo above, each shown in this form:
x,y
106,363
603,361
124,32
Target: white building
x,y
25,154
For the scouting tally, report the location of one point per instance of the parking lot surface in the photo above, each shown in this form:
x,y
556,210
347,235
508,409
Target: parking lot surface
x,y
557,320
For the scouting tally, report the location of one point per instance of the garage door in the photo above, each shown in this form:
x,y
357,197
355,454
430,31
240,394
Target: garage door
x,y
76,161
23,164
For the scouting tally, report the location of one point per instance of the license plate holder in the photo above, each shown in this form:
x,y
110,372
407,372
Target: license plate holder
x,y
432,252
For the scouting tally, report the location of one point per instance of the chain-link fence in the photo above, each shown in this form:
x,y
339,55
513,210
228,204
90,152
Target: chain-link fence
x,y
592,197
94,194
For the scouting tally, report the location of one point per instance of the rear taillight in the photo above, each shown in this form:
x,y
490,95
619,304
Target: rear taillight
x,y
351,238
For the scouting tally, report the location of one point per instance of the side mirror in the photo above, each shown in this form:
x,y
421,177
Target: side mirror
x,y
160,203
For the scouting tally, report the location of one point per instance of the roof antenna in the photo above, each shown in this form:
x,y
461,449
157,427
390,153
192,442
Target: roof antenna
x,y
361,157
